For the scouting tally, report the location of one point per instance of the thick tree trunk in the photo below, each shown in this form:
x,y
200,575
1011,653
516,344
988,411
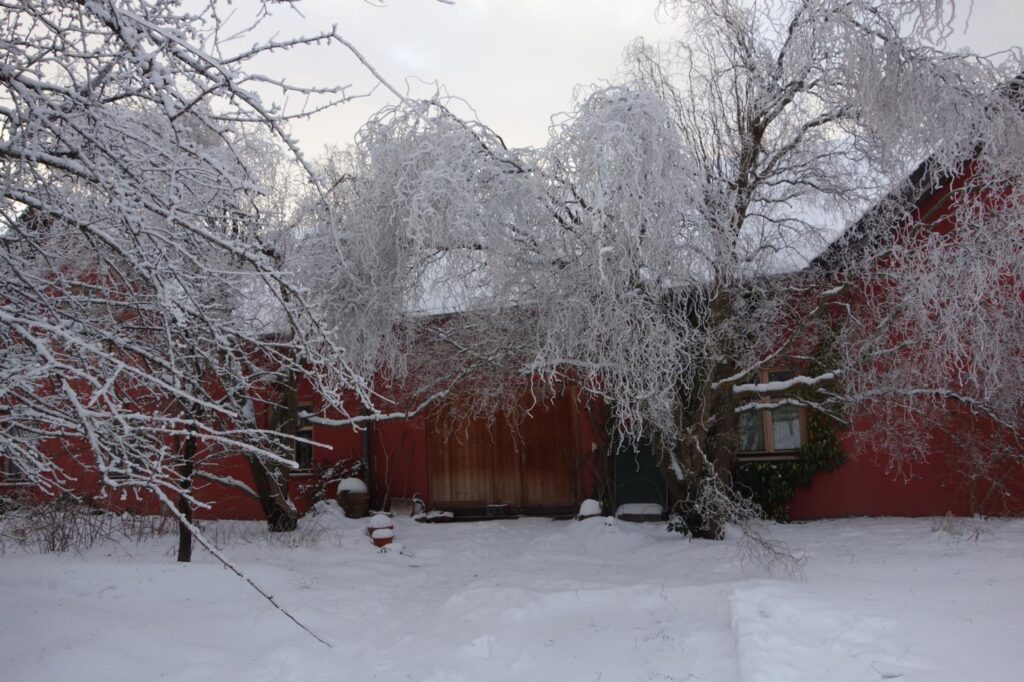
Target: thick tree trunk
x,y
702,454
186,467
282,516
271,481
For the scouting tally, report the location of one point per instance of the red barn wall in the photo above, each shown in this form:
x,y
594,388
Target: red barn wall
x,y
869,484
399,461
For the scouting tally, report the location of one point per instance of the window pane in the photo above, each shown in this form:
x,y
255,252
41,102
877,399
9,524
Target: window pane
x,y
12,472
304,452
786,427
751,431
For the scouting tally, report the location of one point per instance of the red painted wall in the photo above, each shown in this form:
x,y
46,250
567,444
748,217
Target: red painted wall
x,y
400,464
869,484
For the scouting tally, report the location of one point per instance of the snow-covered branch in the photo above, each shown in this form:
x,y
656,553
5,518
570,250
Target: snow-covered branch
x,y
782,386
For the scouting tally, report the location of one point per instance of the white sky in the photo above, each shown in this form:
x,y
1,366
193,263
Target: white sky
x,y
516,61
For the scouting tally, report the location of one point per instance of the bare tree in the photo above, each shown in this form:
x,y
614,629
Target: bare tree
x,y
655,251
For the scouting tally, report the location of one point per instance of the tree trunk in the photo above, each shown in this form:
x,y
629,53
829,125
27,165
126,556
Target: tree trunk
x,y
271,481
703,451
281,514
185,469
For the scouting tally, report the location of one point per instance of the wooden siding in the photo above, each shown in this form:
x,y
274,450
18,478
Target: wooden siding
x,y
531,466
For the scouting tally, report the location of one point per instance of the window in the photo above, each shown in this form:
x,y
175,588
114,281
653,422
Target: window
x,y
12,473
779,430
785,423
751,431
293,426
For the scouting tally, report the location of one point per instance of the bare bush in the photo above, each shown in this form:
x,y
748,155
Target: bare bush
x,y
69,524
960,529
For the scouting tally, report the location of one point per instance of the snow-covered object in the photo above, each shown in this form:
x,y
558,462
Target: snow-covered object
x,y
383,536
434,516
351,485
394,548
379,522
589,508
639,510
353,497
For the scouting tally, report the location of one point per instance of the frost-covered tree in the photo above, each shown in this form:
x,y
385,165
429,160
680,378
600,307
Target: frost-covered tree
x,y
146,316
655,251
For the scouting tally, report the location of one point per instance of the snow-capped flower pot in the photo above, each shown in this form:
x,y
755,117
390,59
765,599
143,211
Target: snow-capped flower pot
x,y
353,497
383,536
379,522
589,508
352,485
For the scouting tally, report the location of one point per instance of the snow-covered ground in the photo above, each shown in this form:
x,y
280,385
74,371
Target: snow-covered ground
x,y
528,599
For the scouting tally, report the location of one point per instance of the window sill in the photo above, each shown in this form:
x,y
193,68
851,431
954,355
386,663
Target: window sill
x,y
788,456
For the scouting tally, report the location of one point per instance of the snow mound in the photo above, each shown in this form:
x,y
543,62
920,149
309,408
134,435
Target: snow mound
x,y
784,634
597,535
328,513
590,508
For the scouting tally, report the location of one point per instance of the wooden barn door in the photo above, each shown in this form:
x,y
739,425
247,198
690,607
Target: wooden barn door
x,y
546,447
531,469
473,466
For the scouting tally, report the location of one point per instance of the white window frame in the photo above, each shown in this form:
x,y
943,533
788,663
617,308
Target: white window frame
x,y
12,474
770,452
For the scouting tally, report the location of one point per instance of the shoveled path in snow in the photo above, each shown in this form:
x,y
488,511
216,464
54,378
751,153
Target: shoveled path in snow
x,y
527,599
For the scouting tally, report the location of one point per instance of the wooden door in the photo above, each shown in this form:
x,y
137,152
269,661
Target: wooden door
x,y
529,466
547,446
474,465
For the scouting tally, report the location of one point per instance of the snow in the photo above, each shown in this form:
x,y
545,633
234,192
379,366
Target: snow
x,y
434,515
590,508
351,485
523,599
783,633
383,534
639,509
778,386
380,521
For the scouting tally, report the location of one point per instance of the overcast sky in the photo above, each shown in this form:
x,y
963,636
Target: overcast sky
x,y
516,61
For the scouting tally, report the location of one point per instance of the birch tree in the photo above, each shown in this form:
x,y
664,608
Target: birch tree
x,y
655,252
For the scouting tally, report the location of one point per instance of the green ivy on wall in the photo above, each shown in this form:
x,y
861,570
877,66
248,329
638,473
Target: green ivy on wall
x,y
772,484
